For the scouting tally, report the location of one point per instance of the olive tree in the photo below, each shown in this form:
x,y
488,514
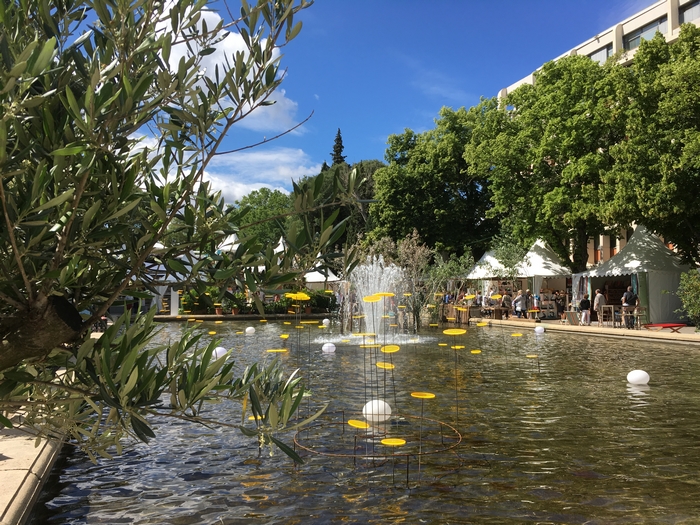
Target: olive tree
x,y
110,113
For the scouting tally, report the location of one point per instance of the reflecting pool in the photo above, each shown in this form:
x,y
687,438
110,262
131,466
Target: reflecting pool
x,y
550,433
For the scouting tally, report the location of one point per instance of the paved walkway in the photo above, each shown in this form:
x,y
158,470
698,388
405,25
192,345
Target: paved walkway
x,y
24,467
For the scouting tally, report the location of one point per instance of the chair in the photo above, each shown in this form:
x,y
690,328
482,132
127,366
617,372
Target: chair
x,y
640,317
572,318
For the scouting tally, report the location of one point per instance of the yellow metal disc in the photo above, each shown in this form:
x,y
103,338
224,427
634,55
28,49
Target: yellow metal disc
x,y
393,442
277,350
357,423
385,366
532,356
384,294
482,324
218,322
516,335
284,336
212,333
422,395
476,351
454,331
390,349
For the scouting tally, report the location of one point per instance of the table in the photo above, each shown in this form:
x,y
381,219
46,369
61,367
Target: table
x,y
608,315
656,327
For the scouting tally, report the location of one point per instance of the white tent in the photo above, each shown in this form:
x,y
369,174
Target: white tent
x,y
542,261
488,267
657,270
316,280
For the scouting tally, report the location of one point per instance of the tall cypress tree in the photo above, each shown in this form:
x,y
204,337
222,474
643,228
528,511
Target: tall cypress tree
x,y
337,153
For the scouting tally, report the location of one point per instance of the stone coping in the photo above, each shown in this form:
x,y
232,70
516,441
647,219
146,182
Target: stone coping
x,y
23,470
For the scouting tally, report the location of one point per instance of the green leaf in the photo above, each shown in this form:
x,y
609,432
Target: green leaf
x,y
287,450
5,422
142,430
71,150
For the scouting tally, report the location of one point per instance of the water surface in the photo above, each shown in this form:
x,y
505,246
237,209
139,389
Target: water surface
x,y
556,438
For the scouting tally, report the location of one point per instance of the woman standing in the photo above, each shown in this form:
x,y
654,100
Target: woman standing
x,y
585,306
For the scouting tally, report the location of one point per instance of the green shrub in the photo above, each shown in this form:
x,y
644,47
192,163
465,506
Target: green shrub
x,y
689,294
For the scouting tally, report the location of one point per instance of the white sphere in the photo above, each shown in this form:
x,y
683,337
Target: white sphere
x,y
249,331
328,348
638,377
326,322
539,329
218,352
376,411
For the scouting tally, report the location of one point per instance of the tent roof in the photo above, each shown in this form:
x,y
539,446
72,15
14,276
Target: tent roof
x,y
318,277
488,267
644,252
542,261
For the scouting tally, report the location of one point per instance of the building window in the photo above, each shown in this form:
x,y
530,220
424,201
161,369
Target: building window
x,y
690,12
603,54
633,39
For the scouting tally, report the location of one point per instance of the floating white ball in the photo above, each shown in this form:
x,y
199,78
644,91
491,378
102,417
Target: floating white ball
x,y
376,411
326,322
539,329
638,377
218,352
249,331
328,348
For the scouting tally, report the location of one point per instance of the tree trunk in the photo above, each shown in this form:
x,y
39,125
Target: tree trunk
x,y
580,249
49,323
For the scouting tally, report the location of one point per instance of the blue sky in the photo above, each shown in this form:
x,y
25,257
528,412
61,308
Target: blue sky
x,y
375,68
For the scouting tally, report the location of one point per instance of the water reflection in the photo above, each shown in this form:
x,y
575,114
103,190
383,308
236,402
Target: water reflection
x,y
558,438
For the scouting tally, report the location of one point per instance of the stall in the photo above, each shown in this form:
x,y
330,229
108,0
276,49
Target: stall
x,y
651,268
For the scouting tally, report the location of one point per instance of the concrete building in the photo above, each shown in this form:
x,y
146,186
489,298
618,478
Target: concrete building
x,y
665,16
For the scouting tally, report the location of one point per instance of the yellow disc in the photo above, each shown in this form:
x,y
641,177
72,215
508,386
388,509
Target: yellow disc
x,y
291,312
311,322
253,418
385,317
430,305
401,306
299,326
442,344
240,332
469,297
371,298
363,334
450,318
384,294
191,318
393,442
263,320
345,340
407,294
434,324
460,308
287,322
393,325
357,423
497,296
328,291
212,333
180,317
457,347
439,294
277,350
454,331
482,324
218,322
200,320
532,356
516,335
385,366
370,346
422,395
390,349
284,336
476,351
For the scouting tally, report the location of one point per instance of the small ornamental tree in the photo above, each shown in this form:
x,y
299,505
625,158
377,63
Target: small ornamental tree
x,y
84,203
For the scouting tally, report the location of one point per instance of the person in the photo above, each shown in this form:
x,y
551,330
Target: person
x,y
527,303
559,302
629,303
598,303
585,307
519,304
479,299
506,303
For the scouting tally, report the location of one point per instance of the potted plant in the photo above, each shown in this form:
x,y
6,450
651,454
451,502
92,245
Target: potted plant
x,y
233,302
218,309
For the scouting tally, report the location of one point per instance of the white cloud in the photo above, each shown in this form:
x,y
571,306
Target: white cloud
x,y
278,117
237,174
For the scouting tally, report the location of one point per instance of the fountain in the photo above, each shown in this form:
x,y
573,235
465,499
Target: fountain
x,y
372,278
